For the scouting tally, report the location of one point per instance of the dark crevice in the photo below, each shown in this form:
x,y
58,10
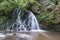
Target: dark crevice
x,y
56,2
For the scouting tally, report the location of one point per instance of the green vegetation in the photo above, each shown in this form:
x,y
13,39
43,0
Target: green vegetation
x,y
48,11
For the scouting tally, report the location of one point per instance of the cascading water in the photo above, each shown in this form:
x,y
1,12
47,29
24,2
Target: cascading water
x,y
25,24
30,23
25,21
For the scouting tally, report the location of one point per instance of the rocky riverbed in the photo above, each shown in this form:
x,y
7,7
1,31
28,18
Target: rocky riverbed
x,y
37,35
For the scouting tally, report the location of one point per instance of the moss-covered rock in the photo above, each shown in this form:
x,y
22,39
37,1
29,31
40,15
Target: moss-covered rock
x,y
3,20
6,8
50,19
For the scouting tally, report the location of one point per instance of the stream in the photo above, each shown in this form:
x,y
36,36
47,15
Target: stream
x,y
36,35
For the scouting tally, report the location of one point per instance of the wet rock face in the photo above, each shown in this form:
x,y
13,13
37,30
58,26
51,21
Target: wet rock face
x,y
17,36
2,21
47,4
51,18
42,5
10,38
36,9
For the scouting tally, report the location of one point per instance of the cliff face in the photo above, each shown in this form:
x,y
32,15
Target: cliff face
x,y
47,11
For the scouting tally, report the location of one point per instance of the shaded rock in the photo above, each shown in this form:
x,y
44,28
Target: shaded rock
x,y
12,37
35,9
2,22
17,36
47,4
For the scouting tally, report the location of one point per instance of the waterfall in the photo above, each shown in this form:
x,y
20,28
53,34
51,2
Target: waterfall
x,y
25,21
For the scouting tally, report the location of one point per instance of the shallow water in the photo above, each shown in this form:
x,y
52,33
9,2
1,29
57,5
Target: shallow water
x,y
44,35
36,35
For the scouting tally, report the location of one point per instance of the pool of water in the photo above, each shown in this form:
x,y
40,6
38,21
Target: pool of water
x,y
36,35
44,35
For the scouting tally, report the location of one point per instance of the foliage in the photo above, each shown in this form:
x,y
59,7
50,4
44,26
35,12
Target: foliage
x,y
23,3
47,10
7,5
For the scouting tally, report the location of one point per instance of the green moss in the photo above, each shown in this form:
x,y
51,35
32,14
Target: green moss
x,y
7,5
